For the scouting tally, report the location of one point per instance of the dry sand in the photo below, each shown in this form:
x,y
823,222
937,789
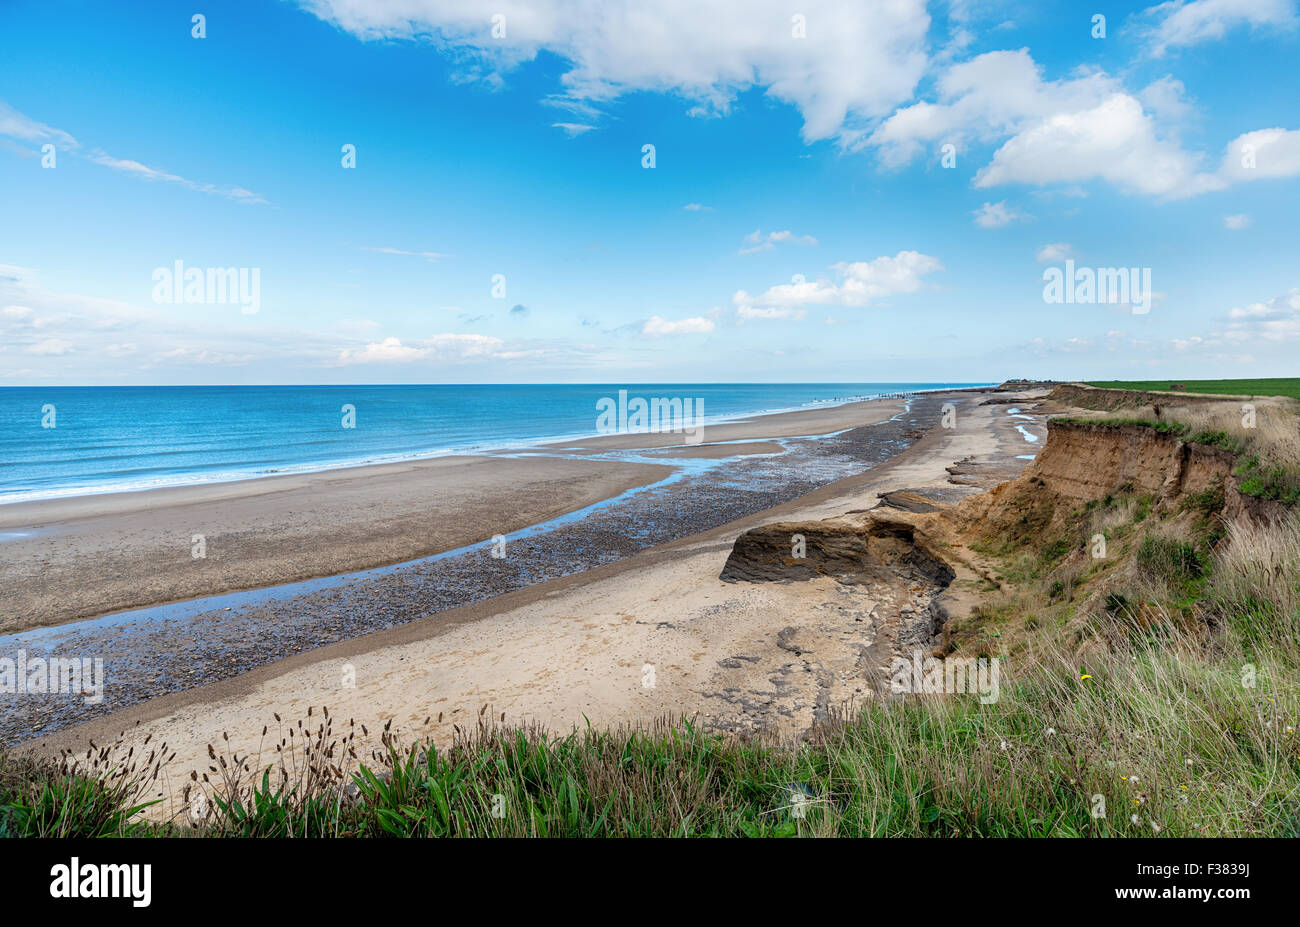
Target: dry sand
x,y
740,655
774,425
714,451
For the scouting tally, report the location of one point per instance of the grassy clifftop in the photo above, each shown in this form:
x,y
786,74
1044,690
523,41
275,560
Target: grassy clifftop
x,y
1284,386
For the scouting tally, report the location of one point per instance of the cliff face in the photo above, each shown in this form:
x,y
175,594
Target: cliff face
x,y
1082,462
1079,463
925,560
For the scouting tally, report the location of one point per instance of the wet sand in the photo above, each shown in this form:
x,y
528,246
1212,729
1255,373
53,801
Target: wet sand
x,y
92,555
738,449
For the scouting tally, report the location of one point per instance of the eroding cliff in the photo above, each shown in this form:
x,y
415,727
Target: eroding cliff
x,y
1084,462
1101,399
932,567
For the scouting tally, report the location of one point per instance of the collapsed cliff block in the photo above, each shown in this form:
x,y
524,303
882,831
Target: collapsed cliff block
x,y
864,549
906,500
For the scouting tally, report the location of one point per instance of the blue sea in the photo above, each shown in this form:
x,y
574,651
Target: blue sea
x,y
113,438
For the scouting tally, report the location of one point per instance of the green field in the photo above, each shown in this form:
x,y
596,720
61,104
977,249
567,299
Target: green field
x,y
1281,386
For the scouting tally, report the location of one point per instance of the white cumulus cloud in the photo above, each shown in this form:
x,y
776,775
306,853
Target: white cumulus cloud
x,y
842,65
1056,251
657,325
997,215
757,241
1087,127
746,311
1264,154
448,346
857,284
1114,141
1276,319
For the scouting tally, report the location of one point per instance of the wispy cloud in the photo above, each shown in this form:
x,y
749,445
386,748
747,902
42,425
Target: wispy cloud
x,y
15,125
1182,24
757,241
572,129
575,106
145,172
73,336
427,255
746,311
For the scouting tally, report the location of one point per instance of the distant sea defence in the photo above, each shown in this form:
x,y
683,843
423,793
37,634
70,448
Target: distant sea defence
x,y
60,441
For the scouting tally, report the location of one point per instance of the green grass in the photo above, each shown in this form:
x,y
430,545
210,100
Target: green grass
x,y
1179,743
1216,438
1177,429
1171,560
1030,765
1278,483
50,798
1283,386
1219,439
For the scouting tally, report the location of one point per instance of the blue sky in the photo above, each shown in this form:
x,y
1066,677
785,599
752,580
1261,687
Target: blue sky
x,y
776,155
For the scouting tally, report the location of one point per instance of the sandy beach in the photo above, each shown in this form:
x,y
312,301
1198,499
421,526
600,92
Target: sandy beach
x,y
310,560
92,555
740,656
